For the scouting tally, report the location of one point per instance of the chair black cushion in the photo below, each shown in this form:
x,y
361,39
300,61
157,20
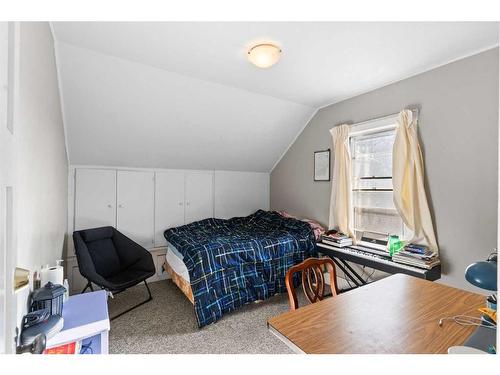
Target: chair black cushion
x,y
126,278
105,257
111,260
95,234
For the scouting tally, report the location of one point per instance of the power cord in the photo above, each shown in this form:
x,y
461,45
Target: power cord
x,y
466,320
370,275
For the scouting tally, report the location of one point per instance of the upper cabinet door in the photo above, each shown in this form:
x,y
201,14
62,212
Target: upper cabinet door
x,y
135,212
95,198
169,203
199,195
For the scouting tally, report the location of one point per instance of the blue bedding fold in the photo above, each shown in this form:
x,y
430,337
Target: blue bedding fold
x,y
240,260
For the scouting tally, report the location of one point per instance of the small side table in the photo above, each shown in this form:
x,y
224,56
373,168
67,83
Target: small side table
x,y
85,318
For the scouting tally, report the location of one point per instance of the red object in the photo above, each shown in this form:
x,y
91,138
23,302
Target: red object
x,y
70,348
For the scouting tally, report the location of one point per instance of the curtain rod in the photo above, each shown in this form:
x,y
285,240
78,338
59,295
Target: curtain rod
x,y
414,110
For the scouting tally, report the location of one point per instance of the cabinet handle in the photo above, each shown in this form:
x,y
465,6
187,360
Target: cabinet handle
x,y
110,206
180,203
120,205
187,203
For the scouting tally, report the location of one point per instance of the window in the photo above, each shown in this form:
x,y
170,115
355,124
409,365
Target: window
x,y
374,213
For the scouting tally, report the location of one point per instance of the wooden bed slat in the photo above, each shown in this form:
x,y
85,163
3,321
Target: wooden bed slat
x,y
181,283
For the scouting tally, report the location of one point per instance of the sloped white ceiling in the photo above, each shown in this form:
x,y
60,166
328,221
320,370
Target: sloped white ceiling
x,y
182,95
122,113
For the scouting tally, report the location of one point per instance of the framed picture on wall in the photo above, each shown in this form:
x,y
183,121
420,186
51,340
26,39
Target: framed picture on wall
x,y
322,165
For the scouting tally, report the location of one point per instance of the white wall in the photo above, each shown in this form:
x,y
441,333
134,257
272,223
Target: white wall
x,y
41,160
240,193
41,166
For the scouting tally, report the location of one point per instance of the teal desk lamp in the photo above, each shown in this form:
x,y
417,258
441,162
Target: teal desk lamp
x,y
483,274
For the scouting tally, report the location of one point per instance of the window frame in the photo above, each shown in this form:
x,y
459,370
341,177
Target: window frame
x,y
367,128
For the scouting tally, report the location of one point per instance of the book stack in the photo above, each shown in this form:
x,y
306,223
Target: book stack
x,y
417,256
337,239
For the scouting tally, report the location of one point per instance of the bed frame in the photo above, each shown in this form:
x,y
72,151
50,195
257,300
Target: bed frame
x,y
181,283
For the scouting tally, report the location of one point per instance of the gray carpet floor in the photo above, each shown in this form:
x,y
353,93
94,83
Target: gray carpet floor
x,y
167,325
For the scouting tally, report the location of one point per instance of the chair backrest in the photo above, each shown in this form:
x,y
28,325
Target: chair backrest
x,y
102,250
313,280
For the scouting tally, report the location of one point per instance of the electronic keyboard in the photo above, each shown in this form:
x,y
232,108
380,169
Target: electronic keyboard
x,y
374,259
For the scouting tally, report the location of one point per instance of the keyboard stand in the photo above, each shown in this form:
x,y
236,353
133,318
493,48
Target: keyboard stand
x,y
349,272
341,257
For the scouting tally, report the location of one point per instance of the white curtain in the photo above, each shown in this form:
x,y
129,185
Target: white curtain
x,y
340,202
408,182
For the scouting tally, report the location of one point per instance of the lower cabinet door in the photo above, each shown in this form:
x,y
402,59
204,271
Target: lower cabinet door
x,y
76,281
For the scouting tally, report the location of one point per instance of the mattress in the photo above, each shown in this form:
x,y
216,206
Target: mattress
x,y
174,259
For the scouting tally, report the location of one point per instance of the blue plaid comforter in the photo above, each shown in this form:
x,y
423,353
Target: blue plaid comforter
x,y
240,260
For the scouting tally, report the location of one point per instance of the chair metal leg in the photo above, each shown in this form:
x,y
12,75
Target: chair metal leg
x,y
89,285
149,292
139,304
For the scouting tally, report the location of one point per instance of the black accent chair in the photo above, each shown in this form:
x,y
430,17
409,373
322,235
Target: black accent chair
x,y
112,261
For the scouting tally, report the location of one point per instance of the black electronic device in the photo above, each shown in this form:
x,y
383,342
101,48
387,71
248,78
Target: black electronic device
x,y
37,346
48,327
35,317
49,297
45,317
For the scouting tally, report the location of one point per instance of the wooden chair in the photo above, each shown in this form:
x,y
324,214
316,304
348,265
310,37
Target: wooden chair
x,y
313,280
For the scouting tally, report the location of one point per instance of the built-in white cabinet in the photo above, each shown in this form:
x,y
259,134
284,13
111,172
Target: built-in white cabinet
x,y
135,206
181,197
142,204
122,199
169,202
95,198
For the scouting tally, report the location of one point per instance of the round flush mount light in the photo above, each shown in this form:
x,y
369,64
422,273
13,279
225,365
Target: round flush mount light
x,y
264,55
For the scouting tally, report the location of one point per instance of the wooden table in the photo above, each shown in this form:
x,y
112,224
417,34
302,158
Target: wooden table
x,y
398,314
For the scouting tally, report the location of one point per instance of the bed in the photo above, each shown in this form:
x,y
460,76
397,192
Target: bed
x,y
175,267
221,265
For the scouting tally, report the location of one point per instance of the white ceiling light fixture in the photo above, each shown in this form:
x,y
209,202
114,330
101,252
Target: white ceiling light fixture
x,y
264,55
